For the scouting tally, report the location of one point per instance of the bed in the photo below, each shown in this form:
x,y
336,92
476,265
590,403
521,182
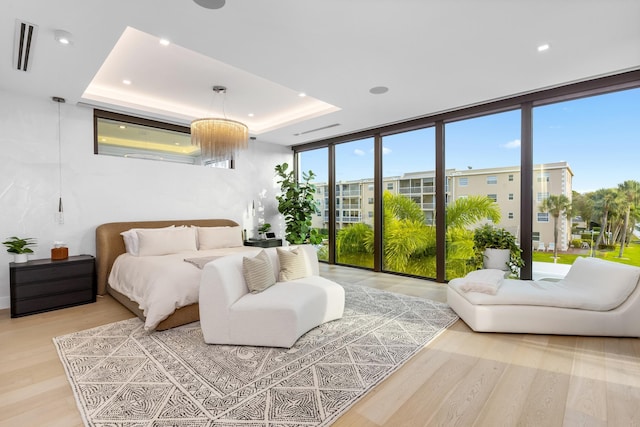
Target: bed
x,y
110,246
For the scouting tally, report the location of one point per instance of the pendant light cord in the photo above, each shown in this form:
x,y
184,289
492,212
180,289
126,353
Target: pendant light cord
x,y
59,161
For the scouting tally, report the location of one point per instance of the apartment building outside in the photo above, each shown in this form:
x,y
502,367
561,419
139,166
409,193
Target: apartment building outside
x,y
354,199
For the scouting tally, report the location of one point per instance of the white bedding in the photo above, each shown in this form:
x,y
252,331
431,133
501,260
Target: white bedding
x,y
162,284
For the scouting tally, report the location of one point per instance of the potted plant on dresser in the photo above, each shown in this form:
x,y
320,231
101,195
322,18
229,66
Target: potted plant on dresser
x,y
19,248
497,248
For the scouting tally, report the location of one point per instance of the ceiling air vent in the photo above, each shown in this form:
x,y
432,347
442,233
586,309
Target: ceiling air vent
x,y
24,40
316,130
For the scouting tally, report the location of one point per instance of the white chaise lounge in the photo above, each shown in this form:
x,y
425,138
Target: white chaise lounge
x,y
274,317
597,298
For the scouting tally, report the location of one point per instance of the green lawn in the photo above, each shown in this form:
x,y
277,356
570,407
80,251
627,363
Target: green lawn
x,y
631,255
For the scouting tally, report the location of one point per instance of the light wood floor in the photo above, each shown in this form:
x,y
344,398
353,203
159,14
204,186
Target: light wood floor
x,y
461,378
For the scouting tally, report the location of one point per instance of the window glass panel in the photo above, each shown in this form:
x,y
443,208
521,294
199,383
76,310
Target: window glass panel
x,y
354,229
480,152
131,137
317,162
409,238
585,152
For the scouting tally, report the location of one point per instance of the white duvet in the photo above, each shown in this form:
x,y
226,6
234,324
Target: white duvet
x,y
162,284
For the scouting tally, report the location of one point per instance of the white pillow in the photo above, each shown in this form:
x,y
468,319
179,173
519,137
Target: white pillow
x,y
164,242
219,237
486,281
130,238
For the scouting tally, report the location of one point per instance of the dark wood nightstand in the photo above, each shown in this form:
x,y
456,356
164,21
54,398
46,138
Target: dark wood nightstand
x,y
264,243
44,284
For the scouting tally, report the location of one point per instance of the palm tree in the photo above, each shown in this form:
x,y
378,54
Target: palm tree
x,y
603,203
629,194
409,242
556,205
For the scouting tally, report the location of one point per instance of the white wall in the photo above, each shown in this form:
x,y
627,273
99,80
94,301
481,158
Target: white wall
x,y
98,189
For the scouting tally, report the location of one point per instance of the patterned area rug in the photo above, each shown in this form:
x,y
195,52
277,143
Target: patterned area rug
x,y
123,376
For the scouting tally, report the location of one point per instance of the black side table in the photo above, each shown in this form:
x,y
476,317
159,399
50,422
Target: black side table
x,y
263,243
44,284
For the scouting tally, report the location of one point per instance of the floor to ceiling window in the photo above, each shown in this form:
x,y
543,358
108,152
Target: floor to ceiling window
x,y
353,192
574,144
409,191
316,161
483,179
586,193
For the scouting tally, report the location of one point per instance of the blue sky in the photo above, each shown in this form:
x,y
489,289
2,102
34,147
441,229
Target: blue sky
x,y
598,136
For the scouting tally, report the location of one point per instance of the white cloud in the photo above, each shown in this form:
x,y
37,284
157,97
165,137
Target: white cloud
x,y
385,150
358,152
512,144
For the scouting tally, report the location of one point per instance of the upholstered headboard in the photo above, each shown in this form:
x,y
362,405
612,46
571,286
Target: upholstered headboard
x,y
109,242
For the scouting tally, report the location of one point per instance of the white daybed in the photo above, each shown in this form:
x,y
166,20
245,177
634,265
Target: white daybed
x,y
597,298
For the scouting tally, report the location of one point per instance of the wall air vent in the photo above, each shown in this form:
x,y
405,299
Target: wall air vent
x,y
24,40
316,130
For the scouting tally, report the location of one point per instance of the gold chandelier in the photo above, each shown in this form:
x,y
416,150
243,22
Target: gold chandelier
x,y
218,138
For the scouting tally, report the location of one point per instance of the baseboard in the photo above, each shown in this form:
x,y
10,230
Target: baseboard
x,y
5,302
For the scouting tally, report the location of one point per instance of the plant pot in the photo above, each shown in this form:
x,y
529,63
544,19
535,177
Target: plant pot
x,y
20,258
496,258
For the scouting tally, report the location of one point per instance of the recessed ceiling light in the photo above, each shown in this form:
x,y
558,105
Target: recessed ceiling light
x,y
126,82
543,47
63,37
165,42
122,127
379,90
176,143
250,114
302,94
210,4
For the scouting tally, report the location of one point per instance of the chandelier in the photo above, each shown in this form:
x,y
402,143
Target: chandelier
x,y
218,138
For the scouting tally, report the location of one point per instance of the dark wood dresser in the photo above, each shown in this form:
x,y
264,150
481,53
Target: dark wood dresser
x,y
44,284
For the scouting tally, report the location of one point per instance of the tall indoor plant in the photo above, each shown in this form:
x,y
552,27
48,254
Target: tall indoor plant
x,y
488,238
297,204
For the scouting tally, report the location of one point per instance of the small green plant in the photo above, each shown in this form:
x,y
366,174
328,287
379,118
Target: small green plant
x,y
297,204
489,236
16,245
264,228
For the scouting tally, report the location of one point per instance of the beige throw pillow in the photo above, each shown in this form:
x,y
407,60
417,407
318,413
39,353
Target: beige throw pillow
x,y
219,237
258,272
167,241
293,265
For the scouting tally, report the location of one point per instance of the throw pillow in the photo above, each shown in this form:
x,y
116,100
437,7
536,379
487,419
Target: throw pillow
x,y
165,242
219,237
293,265
258,272
130,238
